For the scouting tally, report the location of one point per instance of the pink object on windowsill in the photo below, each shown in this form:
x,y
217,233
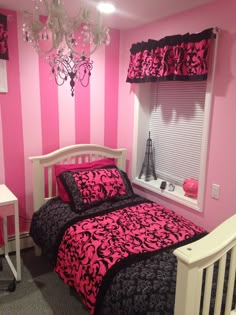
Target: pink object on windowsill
x,y
190,187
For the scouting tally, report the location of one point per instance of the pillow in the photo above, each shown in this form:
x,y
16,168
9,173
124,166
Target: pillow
x,y
91,187
59,168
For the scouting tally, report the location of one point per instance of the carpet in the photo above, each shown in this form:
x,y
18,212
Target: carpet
x,y
40,292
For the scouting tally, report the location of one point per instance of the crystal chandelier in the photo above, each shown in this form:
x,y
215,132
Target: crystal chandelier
x,y
66,42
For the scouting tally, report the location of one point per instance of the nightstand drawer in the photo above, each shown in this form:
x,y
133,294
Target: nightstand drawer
x,y
6,210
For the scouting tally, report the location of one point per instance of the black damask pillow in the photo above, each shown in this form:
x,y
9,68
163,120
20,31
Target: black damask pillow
x,y
88,188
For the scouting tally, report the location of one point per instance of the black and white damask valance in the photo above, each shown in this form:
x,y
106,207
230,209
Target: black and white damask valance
x,y
177,57
3,37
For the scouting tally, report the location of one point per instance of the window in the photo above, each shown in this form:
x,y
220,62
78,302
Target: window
x,y
178,115
176,124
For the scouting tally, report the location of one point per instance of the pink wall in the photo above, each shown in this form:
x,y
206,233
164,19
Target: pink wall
x,y
222,145
37,116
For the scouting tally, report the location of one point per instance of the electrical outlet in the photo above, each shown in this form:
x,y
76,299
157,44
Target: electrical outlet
x,y
215,192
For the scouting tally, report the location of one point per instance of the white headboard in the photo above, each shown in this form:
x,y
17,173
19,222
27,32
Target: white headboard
x,y
44,184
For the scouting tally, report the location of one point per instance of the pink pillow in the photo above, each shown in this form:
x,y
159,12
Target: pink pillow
x,y
60,168
89,188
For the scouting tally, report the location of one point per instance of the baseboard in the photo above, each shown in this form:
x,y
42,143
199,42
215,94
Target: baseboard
x,y
25,242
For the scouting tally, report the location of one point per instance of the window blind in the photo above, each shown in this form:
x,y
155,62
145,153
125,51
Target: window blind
x,y
176,125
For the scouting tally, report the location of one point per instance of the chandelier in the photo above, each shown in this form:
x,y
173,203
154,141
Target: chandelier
x,y
66,42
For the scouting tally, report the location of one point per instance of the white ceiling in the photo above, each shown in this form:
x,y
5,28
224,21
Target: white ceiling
x,y
129,13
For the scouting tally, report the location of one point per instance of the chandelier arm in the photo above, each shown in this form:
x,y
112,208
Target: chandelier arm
x,y
44,51
66,64
59,79
98,39
81,54
88,66
57,82
66,72
63,74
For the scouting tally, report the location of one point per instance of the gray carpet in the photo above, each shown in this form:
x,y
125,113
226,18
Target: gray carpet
x,y
40,292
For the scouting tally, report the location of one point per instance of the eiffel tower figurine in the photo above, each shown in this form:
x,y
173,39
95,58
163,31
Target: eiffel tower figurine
x,y
148,167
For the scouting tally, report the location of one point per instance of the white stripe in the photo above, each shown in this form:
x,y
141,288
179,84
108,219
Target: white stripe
x,y
66,108
30,105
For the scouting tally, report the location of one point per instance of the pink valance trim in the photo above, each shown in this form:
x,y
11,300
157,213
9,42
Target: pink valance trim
x,y
178,57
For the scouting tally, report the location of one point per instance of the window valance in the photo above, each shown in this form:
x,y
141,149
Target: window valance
x,y
3,37
177,57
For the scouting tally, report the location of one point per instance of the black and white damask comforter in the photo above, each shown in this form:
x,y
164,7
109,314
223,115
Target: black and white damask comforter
x,y
117,255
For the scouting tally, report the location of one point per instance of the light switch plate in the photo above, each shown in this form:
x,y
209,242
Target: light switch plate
x,y
215,192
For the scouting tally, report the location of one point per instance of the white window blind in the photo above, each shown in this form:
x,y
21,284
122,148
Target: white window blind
x,y
176,125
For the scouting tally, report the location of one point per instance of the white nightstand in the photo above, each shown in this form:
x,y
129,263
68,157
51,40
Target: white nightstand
x,y
9,207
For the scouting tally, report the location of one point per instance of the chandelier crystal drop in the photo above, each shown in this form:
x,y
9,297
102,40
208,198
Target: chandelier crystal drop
x,y
66,42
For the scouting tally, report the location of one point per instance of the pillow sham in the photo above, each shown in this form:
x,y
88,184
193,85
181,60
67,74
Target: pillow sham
x,y
92,187
59,168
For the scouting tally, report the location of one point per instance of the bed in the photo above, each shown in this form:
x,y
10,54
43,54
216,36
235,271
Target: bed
x,y
122,253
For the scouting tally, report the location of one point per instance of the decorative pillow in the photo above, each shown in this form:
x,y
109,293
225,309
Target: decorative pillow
x,y
59,168
92,187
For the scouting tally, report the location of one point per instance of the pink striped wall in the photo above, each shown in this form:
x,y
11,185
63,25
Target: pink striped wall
x,y
37,116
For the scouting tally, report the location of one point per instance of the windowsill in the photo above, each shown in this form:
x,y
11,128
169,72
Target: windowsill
x,y
176,195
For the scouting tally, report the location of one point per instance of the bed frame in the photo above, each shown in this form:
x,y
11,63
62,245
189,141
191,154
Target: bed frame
x,y
196,261
199,258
